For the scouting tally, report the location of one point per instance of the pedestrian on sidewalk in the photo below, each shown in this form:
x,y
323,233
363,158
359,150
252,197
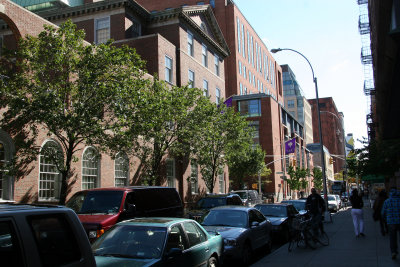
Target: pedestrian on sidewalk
x,y
391,211
315,205
382,196
357,213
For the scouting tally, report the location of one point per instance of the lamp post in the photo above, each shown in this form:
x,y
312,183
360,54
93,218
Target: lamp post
x,y
327,215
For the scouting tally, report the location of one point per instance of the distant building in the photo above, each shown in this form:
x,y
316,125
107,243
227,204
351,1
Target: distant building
x,y
316,150
296,103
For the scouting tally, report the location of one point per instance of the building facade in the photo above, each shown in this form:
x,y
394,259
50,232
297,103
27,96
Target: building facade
x,y
333,134
183,46
296,103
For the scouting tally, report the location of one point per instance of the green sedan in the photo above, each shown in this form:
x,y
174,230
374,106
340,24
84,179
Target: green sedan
x,y
158,242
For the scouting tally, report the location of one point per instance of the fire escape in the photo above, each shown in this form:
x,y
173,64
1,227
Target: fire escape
x,y
366,60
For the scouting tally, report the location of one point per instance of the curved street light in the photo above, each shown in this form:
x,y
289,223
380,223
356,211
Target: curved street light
x,y
327,214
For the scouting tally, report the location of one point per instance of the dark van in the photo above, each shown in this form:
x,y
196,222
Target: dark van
x,y
100,208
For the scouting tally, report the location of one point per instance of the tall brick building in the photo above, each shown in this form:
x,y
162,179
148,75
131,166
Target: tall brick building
x,y
332,125
182,46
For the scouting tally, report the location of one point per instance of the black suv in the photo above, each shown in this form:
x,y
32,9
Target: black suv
x,y
213,200
32,235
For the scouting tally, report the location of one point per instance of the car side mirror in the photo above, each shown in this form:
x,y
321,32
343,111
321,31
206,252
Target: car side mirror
x,y
173,253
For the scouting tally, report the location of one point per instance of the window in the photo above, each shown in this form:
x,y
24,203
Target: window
x,y
252,52
135,28
90,168
250,108
194,178
241,88
121,169
267,68
248,46
200,3
260,58
205,87
245,90
254,80
168,69
170,168
190,44
243,52
176,239
238,33
221,183
49,175
244,72
217,96
290,103
102,32
255,126
191,78
216,64
56,242
240,67
257,56
204,55
249,76
10,249
194,234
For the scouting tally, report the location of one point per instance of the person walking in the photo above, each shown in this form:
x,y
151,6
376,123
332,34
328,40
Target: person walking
x,y
357,213
382,196
391,211
315,205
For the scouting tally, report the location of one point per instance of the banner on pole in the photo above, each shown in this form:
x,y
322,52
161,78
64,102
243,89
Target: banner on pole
x,y
290,146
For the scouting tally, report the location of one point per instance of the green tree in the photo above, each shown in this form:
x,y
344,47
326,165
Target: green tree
x,y
164,123
298,178
317,178
73,91
222,134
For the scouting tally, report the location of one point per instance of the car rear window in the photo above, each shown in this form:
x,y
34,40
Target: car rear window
x,y
106,202
55,239
208,203
10,250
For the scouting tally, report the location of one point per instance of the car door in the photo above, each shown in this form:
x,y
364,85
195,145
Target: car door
x,y
176,240
260,233
199,250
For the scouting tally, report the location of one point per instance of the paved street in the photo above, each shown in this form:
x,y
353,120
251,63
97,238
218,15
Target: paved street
x,y
344,249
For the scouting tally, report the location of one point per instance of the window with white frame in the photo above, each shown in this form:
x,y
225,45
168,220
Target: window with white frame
x,y
90,168
194,177
240,67
217,96
243,52
191,78
241,88
257,56
204,55
221,183
205,87
121,169
170,169
252,52
49,175
265,70
244,71
216,64
190,43
102,30
248,46
168,69
238,33
260,58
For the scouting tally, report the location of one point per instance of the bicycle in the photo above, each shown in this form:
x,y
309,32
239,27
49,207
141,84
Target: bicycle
x,y
303,236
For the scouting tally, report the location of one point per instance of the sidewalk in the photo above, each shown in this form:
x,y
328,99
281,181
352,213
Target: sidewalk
x,y
344,248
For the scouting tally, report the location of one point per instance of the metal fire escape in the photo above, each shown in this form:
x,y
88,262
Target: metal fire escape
x,y
366,60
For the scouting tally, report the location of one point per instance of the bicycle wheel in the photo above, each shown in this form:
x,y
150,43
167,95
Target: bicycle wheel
x,y
323,239
301,242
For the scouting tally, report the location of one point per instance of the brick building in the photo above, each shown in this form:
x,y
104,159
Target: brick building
x,y
332,125
182,46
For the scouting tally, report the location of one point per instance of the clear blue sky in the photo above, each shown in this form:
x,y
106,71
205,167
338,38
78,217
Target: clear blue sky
x,y
326,32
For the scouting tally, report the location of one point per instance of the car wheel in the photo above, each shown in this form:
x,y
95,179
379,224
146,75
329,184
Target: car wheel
x,y
212,262
246,254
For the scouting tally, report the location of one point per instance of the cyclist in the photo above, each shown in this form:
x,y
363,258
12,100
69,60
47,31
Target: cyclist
x,y
315,206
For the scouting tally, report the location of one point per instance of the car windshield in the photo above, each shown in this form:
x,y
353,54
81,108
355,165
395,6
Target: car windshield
x,y
130,241
211,202
272,210
331,198
299,205
231,218
85,202
242,195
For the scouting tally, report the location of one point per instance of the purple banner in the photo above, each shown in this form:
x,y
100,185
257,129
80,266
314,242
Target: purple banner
x,y
290,146
228,102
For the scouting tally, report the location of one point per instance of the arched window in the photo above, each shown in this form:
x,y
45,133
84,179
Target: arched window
x,y
121,170
49,174
90,168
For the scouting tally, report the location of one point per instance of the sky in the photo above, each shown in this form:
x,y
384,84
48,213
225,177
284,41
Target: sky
x,y
326,33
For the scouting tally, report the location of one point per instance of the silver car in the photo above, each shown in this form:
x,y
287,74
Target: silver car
x,y
243,229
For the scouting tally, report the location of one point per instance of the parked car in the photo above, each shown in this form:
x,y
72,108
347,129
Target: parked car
x,y
339,201
281,216
299,204
244,229
249,197
211,201
158,242
333,205
35,236
100,208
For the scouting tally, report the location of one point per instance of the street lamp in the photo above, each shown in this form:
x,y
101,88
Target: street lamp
x,y
327,214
